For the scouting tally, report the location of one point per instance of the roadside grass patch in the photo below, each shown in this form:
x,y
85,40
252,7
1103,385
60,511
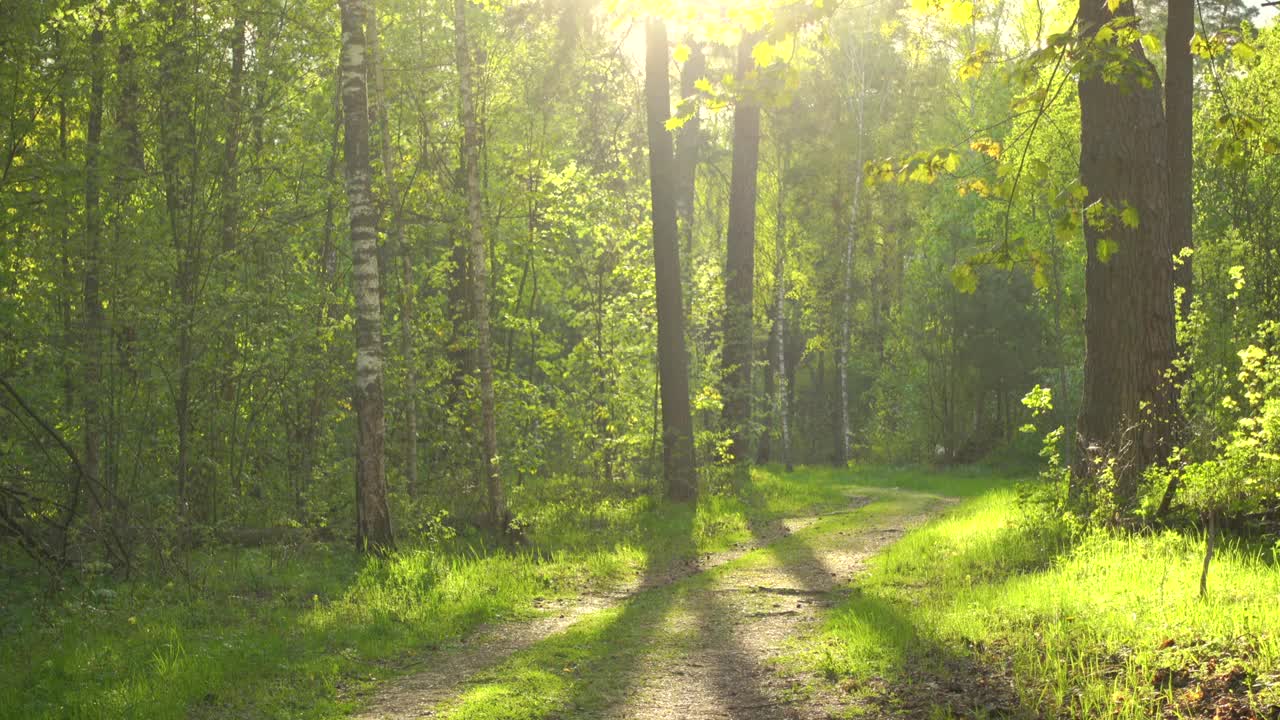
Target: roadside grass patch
x,y
302,631
1109,627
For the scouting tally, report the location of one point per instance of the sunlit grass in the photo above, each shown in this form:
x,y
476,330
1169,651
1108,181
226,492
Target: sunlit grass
x,y
1086,629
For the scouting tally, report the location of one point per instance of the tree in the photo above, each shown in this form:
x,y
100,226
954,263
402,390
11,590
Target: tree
x,y
498,516
778,333
1129,321
739,272
1179,85
1179,114
677,420
373,518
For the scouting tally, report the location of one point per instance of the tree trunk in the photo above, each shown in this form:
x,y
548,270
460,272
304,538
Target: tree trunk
x,y
1179,84
373,518
739,280
779,334
1179,109
402,251
1129,321
498,516
678,464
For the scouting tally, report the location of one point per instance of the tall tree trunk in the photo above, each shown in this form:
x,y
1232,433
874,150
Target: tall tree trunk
x,y
678,464
779,335
498,516
94,317
1179,109
1129,321
739,281
373,518
402,251
1179,84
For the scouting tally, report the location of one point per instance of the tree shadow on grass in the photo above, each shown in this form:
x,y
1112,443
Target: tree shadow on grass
x,y
596,662
897,668
916,676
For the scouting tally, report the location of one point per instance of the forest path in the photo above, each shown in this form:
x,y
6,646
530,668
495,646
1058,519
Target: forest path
x,y
692,641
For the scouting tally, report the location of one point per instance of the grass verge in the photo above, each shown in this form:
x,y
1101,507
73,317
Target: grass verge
x,y
979,614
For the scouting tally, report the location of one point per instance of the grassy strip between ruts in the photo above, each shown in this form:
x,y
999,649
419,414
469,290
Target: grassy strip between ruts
x,y
292,632
978,614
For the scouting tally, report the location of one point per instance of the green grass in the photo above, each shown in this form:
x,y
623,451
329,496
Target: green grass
x,y
1112,626
298,632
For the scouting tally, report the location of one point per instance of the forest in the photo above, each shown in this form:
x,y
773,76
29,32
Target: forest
x,y
643,359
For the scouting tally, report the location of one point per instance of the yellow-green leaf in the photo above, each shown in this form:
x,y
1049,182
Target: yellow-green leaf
x,y
964,278
1129,216
1106,248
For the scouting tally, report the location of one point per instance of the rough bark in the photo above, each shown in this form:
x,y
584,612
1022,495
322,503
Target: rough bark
x,y
401,247
678,465
1129,320
1179,84
1179,109
471,141
373,518
739,280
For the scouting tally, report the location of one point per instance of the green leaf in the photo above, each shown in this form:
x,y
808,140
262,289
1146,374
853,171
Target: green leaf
x,y
1129,216
764,53
964,278
1106,248
1243,53
959,12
